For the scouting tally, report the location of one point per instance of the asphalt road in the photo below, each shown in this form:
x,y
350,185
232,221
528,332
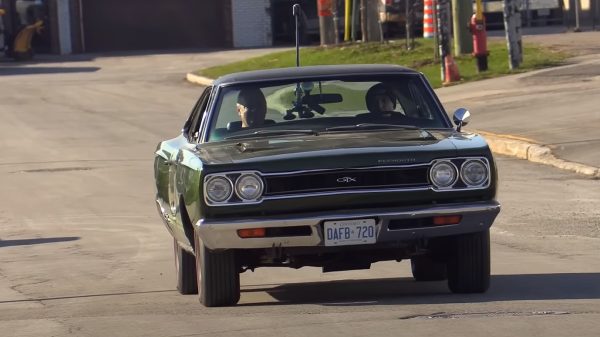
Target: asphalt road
x,y
84,253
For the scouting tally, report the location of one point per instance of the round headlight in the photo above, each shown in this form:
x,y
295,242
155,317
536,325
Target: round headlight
x,y
443,174
474,172
248,187
218,189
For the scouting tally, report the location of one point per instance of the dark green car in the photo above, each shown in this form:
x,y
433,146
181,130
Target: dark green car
x,y
332,166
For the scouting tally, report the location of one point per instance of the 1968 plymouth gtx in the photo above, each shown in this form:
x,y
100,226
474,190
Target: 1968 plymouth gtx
x,y
330,166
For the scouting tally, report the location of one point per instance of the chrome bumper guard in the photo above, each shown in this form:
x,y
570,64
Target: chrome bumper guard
x,y
222,234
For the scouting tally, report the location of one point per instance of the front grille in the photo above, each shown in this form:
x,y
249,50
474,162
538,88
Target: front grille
x,y
340,180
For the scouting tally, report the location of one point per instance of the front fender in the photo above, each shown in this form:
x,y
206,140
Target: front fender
x,y
189,178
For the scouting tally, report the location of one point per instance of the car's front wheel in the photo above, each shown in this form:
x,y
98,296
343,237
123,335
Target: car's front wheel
x,y
218,277
185,267
469,263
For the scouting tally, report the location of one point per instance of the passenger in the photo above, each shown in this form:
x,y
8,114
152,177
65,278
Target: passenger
x,y
251,107
380,99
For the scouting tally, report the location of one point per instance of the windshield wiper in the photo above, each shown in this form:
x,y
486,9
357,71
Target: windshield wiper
x,y
273,133
376,126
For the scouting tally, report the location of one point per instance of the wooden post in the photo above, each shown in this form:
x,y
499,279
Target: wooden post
x,y
364,28
408,13
462,10
512,25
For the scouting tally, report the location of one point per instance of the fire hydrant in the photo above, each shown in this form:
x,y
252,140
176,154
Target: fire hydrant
x,y
480,52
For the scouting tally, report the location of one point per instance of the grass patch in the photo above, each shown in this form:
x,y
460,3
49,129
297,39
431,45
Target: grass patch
x,y
420,58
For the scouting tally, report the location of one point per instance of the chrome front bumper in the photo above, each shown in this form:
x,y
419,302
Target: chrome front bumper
x,y
222,234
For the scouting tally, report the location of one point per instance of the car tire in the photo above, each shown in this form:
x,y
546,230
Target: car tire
x,y
185,267
469,263
219,276
425,269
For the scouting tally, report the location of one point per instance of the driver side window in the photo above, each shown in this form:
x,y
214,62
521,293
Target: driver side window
x,y
193,132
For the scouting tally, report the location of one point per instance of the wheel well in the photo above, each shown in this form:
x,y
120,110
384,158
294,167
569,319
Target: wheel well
x,y
188,227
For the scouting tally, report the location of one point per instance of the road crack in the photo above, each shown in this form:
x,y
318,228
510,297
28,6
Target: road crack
x,y
446,315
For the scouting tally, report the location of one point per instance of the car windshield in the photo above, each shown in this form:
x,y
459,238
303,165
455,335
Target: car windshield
x,y
316,106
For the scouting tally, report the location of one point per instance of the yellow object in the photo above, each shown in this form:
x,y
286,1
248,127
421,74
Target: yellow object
x,y
23,39
347,23
2,12
478,10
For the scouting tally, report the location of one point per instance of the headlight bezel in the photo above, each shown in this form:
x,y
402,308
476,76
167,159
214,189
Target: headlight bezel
x,y
212,178
456,173
261,186
486,169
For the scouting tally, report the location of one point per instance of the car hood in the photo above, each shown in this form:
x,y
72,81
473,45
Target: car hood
x,y
338,150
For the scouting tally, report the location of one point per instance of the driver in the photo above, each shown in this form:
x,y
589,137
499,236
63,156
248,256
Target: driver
x,y
380,99
251,107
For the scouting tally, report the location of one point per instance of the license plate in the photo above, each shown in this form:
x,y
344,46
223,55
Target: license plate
x,y
350,232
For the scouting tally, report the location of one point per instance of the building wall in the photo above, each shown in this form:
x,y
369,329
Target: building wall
x,y
118,25
251,23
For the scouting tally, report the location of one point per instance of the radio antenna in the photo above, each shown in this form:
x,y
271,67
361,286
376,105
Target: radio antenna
x,y
296,11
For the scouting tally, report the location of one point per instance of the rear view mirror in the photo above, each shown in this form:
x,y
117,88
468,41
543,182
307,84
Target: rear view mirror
x,y
322,99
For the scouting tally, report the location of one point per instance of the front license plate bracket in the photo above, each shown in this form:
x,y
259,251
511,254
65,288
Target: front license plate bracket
x,y
349,232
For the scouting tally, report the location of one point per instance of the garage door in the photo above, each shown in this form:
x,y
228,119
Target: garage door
x,y
111,25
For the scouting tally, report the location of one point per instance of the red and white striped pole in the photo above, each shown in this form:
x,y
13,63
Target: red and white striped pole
x,y
428,24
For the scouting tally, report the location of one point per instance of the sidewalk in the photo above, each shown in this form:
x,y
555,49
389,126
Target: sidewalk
x,y
556,107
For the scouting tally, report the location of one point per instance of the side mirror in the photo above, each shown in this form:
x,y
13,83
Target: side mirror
x,y
461,118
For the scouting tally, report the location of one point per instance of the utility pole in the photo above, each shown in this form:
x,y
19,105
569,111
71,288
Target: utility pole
x,y
462,10
436,30
512,25
408,13
354,19
336,31
326,24
375,32
577,13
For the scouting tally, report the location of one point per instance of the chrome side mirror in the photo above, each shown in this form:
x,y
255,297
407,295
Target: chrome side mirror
x,y
461,118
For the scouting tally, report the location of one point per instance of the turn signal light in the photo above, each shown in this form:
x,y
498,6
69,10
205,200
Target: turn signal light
x,y
446,220
251,233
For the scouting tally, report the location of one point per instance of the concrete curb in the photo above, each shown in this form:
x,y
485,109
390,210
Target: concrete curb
x,y
525,149
501,144
199,80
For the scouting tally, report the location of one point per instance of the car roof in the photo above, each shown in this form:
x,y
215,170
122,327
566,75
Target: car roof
x,y
312,72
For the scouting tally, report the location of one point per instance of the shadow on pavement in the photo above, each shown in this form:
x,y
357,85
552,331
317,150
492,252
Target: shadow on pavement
x,y
16,71
395,291
28,242
87,296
